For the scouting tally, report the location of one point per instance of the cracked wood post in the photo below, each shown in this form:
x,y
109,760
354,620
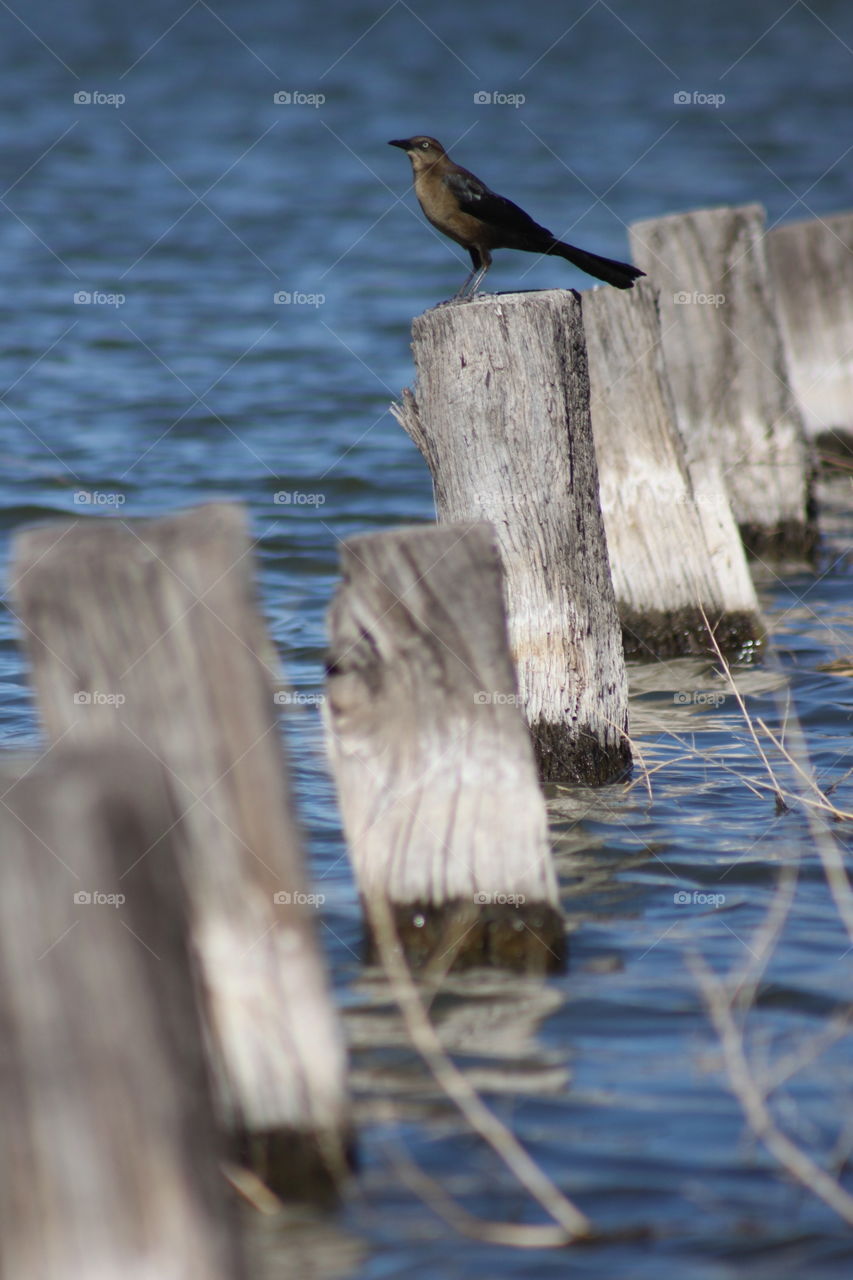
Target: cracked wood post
x,y
147,629
502,419
112,1157
726,365
434,766
812,267
675,552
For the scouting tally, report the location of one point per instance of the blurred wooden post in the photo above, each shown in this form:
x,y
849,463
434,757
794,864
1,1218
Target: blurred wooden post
x,y
148,630
812,267
726,366
112,1161
502,419
433,761
675,552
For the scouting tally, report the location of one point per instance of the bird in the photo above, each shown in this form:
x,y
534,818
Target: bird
x,y
467,211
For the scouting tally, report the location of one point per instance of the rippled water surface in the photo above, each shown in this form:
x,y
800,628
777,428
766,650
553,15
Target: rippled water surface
x,y
192,204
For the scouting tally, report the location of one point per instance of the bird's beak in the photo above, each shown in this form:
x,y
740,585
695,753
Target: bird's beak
x,y
405,144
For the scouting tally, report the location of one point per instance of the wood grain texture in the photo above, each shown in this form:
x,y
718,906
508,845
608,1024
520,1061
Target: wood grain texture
x,y
675,551
111,1151
812,267
160,615
431,754
726,366
502,418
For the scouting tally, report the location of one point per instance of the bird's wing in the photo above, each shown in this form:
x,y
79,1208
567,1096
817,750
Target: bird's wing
x,y
475,198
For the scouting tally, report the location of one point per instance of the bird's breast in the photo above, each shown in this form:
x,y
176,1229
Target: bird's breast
x,y
442,209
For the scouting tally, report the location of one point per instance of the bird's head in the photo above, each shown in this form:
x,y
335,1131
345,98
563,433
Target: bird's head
x,y
421,150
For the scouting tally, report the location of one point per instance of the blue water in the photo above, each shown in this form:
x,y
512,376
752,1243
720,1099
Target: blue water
x,y
195,201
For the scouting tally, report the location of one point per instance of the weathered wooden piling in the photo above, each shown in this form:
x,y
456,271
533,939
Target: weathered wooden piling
x,y
147,630
675,552
812,267
112,1159
502,419
431,754
726,365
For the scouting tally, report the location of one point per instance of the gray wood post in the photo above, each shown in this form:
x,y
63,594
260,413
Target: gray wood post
x,y
431,754
502,419
675,551
726,366
148,630
112,1160
812,267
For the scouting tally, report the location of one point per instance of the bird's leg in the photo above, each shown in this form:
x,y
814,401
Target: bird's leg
x,y
460,292
481,260
478,278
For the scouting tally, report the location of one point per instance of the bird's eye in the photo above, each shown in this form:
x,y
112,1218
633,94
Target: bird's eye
x,y
425,146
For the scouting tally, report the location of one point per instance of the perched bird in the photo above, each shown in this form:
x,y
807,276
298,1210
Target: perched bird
x,y
463,208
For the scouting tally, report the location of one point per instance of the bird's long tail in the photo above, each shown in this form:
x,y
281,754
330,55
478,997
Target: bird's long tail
x,y
620,274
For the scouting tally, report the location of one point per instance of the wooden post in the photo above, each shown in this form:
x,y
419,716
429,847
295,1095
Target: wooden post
x,y
147,630
675,552
433,761
112,1162
502,418
726,366
812,267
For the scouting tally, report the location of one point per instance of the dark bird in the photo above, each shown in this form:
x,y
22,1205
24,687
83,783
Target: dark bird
x,y
463,208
